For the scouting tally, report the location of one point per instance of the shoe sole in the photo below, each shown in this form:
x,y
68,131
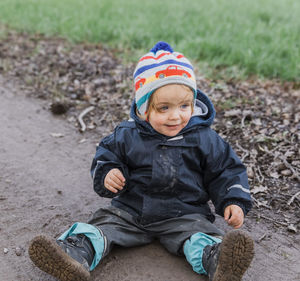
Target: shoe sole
x,y
236,254
50,258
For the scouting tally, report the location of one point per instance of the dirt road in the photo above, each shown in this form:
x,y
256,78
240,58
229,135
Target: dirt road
x,y
45,186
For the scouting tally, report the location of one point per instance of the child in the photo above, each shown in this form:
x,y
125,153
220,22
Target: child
x,y
161,168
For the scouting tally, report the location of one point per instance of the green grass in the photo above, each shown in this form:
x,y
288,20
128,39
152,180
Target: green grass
x,y
235,38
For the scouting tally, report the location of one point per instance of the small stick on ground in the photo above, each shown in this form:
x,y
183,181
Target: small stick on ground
x,y
262,237
274,221
81,115
293,198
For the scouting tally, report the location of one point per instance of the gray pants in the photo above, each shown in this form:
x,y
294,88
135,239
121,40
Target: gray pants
x,y
120,228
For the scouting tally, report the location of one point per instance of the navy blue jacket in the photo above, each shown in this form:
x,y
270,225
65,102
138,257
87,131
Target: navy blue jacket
x,y
172,176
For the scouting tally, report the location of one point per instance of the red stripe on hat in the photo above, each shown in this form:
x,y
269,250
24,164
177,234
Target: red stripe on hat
x,y
151,57
161,55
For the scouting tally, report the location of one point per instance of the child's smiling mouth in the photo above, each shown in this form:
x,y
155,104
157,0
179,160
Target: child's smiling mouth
x,y
173,126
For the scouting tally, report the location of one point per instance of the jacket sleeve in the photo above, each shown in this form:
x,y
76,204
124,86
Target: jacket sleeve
x,y
108,156
225,176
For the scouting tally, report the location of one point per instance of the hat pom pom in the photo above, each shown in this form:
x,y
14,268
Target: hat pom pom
x,y
161,46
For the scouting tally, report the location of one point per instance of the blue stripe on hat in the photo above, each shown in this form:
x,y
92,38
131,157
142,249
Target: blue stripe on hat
x,y
143,99
147,67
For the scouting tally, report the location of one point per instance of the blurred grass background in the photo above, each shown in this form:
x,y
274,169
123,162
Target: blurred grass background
x,y
224,37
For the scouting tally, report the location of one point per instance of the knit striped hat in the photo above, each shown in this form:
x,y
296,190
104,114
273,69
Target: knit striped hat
x,y
160,67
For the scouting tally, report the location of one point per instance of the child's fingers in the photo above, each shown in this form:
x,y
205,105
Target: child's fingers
x,y
108,184
117,173
110,188
236,220
116,181
238,225
234,216
113,182
226,214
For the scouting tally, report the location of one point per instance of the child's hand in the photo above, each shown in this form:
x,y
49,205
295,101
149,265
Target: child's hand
x,y
234,216
114,180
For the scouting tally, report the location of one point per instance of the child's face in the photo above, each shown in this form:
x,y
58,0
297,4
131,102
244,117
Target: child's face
x,y
171,109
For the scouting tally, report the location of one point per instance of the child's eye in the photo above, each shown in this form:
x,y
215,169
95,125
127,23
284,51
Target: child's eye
x,y
163,108
184,106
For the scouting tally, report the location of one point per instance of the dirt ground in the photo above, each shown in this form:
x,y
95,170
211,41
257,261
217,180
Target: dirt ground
x,y
45,186
45,183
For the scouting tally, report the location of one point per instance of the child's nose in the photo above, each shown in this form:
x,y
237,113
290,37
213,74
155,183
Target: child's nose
x,y
174,114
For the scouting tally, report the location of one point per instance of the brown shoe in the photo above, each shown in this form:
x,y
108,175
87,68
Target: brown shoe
x,y
229,260
47,255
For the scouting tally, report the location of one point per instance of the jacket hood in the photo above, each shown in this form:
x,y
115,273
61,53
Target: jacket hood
x,y
204,114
